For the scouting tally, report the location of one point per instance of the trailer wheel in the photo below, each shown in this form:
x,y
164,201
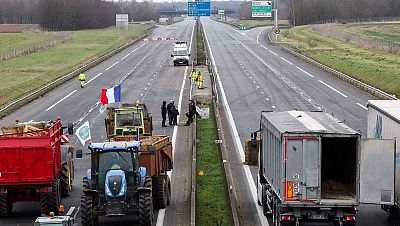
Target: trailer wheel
x,y
168,181
145,209
66,180
160,192
87,218
5,206
51,201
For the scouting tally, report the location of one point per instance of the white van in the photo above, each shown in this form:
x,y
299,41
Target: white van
x,y
181,54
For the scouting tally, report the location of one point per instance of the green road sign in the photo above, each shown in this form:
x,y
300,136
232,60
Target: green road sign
x,y
260,9
242,27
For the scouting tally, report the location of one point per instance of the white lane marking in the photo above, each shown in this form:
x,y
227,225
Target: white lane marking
x,y
161,212
60,100
236,138
286,61
273,107
93,78
267,98
77,211
330,87
362,106
258,36
112,66
125,56
273,52
305,72
70,211
264,47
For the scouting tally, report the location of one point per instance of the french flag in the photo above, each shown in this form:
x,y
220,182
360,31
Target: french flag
x,y
111,95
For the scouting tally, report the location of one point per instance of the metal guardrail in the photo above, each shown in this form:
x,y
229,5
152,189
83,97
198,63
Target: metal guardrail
x,y
347,78
38,93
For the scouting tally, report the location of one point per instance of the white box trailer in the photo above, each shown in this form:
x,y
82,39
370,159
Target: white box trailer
x,y
315,169
384,123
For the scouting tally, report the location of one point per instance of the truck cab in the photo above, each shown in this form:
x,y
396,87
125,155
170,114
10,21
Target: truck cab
x,y
180,54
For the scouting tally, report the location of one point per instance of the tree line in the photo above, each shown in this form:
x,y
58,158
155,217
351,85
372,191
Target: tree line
x,y
301,12
72,14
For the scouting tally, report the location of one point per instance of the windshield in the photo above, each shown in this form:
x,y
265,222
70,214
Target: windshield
x,y
129,119
114,160
180,53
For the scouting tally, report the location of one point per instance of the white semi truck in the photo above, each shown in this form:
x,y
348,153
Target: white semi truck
x,y
384,123
181,54
315,169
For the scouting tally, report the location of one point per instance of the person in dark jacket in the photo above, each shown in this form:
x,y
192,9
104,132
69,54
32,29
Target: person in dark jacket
x,y
175,114
164,113
190,114
170,113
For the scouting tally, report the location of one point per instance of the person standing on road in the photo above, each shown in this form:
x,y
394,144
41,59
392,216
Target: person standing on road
x,y
190,114
200,81
82,79
175,114
164,113
194,76
170,113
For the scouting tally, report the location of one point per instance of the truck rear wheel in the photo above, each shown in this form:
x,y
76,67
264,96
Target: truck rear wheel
x,y
145,209
87,218
160,192
66,181
5,206
51,201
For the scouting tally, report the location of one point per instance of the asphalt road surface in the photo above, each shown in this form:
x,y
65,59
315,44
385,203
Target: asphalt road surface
x,y
147,75
257,76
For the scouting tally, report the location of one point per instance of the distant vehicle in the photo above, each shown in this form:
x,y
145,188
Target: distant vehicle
x,y
315,169
34,165
181,54
384,123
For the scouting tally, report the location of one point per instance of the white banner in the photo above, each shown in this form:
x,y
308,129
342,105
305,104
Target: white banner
x,y
83,133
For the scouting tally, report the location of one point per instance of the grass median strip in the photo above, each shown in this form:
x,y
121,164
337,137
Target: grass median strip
x,y
22,75
212,206
259,23
372,66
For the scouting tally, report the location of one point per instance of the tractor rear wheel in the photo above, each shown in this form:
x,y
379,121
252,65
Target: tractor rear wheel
x,y
51,201
87,217
145,209
159,192
66,181
5,206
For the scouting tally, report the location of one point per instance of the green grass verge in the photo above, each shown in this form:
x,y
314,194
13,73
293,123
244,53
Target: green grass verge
x,y
374,67
201,54
22,75
17,41
259,23
383,32
212,206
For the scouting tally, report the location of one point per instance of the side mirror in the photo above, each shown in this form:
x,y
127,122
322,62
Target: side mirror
x,y
189,54
70,128
79,153
172,55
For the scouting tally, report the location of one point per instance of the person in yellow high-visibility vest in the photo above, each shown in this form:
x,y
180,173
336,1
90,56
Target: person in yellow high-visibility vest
x,y
194,76
82,79
200,80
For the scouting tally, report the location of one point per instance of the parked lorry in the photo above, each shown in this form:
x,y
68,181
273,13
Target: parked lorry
x,y
384,123
315,169
181,54
34,166
128,120
120,181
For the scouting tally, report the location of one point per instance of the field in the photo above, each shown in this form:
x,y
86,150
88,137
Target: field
x,y
17,41
258,23
22,75
370,65
212,206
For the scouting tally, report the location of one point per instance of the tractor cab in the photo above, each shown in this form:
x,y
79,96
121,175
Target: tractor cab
x,y
127,121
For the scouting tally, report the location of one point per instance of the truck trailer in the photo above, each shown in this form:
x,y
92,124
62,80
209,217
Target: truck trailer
x,y
34,166
384,123
315,169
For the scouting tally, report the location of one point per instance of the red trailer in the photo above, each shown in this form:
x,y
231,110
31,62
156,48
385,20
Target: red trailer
x,y
31,165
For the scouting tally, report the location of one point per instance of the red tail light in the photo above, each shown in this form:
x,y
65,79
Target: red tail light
x,y
350,218
287,218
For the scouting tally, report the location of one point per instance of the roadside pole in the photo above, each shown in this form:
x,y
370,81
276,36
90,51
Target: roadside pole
x,y
276,19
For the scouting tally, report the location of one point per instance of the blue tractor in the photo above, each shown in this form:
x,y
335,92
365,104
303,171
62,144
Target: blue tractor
x,y
116,185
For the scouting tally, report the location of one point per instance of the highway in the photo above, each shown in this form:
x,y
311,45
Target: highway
x,y
256,76
147,75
